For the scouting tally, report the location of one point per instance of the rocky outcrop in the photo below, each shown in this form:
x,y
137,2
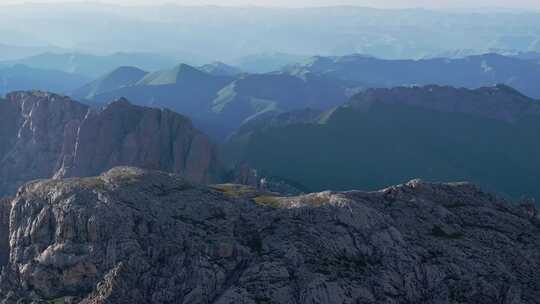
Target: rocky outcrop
x,y
133,236
44,135
37,130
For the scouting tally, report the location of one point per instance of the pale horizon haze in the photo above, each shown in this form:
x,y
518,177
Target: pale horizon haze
x,y
428,4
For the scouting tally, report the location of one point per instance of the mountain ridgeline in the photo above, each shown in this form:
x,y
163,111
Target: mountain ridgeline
x,y
218,99
386,136
76,228
44,135
204,33
214,154
22,77
470,72
116,79
382,136
221,98
92,66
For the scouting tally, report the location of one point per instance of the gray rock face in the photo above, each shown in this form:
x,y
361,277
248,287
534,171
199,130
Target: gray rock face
x,y
44,135
37,129
133,236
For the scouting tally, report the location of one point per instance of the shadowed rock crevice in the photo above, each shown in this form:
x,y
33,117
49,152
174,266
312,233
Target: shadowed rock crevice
x,y
5,209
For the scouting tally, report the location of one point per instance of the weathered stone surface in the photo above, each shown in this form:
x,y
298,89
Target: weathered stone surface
x,y
5,209
44,135
134,236
33,141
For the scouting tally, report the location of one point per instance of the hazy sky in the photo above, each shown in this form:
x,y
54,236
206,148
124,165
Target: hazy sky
x,y
299,3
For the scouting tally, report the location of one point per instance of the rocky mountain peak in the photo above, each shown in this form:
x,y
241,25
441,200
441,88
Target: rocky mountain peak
x,y
121,102
136,236
47,135
181,73
119,78
37,96
218,68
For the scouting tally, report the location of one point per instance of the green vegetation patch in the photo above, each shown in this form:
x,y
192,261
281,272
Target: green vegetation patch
x,y
235,191
266,200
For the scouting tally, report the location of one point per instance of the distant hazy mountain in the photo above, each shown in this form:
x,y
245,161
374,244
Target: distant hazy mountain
x,y
253,95
383,136
21,77
220,69
206,33
93,65
117,79
182,88
13,52
180,74
218,100
528,55
470,72
268,62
